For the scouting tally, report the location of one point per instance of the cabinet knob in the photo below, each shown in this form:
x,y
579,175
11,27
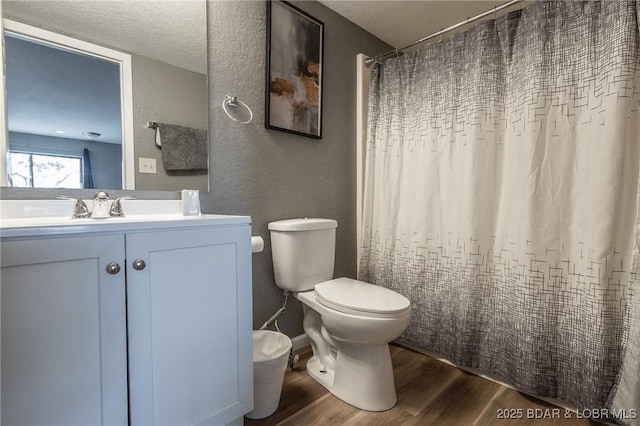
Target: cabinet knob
x,y
139,264
113,268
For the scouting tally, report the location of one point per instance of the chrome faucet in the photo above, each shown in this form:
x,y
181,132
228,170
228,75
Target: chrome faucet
x,y
80,211
116,206
100,208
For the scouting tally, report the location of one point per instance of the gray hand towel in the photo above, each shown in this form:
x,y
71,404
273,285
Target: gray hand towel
x,y
183,148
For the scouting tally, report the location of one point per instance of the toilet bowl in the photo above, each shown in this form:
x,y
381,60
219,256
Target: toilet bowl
x,y
348,322
350,349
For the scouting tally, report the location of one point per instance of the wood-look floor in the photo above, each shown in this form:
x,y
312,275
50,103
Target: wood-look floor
x,y
430,392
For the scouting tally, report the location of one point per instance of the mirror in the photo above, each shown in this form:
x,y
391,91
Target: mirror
x,y
166,43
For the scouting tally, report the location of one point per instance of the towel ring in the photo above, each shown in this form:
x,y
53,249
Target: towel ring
x,y
232,101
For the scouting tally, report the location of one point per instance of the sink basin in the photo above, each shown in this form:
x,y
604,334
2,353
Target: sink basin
x,y
67,221
20,218
23,213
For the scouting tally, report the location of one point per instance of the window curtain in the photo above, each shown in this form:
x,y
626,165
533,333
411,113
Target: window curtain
x,y
501,197
87,176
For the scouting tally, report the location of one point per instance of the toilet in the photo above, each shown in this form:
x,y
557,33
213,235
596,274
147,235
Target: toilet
x,y
348,322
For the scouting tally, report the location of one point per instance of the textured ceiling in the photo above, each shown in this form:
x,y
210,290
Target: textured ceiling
x,y
400,22
170,31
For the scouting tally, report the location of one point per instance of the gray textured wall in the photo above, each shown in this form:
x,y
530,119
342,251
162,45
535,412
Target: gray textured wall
x,y
166,94
272,175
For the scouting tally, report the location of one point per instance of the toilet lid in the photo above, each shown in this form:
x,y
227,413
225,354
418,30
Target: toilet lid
x,y
352,296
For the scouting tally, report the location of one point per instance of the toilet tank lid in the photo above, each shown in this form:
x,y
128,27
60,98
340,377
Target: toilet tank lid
x,y
306,224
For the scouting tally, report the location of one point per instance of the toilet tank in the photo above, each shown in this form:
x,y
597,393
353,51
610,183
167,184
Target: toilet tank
x,y
303,252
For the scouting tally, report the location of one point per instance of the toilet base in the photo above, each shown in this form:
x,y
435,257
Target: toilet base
x,y
363,376
322,375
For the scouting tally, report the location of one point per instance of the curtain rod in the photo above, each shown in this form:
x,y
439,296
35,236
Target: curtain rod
x,y
396,51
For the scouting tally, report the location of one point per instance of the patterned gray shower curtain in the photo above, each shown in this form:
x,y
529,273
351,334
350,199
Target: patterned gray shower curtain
x,y
501,197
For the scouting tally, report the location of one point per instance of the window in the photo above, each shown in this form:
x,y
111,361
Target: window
x,y
27,170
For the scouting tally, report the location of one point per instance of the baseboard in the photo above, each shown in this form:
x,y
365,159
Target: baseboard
x,y
300,341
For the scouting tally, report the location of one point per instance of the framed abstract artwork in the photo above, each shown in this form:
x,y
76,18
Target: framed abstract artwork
x,y
294,70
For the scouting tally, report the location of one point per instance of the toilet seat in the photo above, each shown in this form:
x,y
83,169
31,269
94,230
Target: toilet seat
x,y
359,298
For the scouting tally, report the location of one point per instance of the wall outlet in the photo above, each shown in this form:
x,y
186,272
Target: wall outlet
x,y
147,165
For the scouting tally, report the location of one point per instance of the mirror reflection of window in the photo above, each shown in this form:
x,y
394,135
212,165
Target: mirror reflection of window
x,y
55,98
28,170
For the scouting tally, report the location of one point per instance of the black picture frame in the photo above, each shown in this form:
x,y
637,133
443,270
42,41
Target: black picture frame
x,y
295,53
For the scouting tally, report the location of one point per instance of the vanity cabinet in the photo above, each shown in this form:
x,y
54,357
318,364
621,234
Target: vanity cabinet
x,y
164,340
63,347
184,309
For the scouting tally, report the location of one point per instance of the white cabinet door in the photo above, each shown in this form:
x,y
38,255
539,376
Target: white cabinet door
x,y
189,321
63,332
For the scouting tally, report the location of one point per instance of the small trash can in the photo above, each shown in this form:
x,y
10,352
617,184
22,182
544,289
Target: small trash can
x,y
270,356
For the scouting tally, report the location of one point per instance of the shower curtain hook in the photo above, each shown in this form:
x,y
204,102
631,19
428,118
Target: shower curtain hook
x,y
495,12
397,53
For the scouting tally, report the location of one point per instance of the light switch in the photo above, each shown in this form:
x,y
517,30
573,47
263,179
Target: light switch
x,y
147,165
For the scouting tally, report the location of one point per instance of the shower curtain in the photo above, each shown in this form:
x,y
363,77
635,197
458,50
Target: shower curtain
x,y
501,197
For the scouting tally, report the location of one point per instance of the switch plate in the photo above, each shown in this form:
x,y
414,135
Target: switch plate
x,y
147,165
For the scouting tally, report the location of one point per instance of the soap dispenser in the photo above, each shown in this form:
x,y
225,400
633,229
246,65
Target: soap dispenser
x,y
100,209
